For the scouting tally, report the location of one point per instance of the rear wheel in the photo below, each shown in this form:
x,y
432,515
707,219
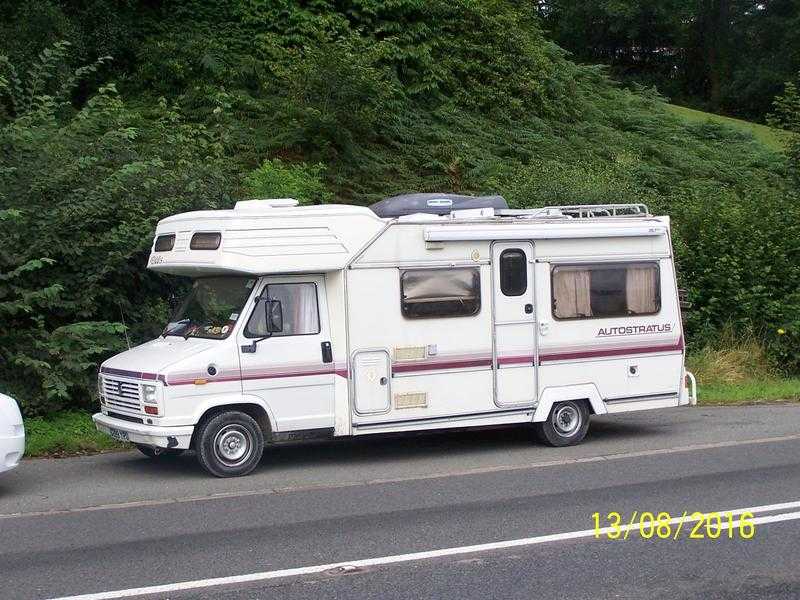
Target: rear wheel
x,y
229,444
151,452
566,425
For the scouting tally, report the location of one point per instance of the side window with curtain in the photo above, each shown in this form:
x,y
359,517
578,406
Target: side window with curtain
x,y
428,293
596,291
299,307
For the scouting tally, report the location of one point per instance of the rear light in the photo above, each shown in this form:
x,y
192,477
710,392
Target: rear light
x,y
205,241
151,410
165,243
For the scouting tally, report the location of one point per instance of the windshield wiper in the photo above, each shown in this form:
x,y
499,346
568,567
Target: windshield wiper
x,y
169,330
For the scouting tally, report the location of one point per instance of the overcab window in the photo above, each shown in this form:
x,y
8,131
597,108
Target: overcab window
x,y
596,291
428,293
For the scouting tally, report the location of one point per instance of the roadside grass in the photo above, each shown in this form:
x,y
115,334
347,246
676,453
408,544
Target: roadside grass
x,y
774,139
66,434
738,372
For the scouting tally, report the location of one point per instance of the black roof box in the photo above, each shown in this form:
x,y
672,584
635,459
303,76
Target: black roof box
x,y
433,204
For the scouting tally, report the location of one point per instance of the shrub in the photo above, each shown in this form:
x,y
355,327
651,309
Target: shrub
x,y
276,179
80,194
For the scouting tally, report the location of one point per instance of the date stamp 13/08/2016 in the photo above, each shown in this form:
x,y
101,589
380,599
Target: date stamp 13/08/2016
x,y
665,526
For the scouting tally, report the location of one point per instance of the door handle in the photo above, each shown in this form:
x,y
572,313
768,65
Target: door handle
x,y
327,352
528,309
544,328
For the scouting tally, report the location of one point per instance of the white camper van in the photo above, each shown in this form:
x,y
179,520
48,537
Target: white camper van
x,y
328,321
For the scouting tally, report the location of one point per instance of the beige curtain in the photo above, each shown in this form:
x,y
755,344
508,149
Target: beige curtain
x,y
642,290
571,290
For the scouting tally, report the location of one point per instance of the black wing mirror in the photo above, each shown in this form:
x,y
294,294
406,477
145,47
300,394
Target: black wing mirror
x,y
274,315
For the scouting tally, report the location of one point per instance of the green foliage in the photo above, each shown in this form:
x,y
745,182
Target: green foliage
x,y
276,179
80,194
351,100
65,434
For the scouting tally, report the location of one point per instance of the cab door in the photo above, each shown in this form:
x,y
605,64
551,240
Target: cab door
x,y
514,322
290,370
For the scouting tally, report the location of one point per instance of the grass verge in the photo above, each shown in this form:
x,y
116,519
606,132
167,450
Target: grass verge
x,y
774,139
66,434
737,371
749,392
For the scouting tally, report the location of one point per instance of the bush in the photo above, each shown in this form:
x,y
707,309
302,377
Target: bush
x,y
80,195
276,179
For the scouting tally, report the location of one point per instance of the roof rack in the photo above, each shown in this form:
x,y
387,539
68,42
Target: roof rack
x,y
578,211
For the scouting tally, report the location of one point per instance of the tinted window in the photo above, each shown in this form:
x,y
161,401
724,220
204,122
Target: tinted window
x,y
596,291
299,308
427,293
513,272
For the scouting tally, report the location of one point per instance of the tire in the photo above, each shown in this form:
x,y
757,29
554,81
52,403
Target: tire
x,y
151,452
566,425
229,444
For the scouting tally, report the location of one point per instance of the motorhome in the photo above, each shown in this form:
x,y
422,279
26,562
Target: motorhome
x,y
425,311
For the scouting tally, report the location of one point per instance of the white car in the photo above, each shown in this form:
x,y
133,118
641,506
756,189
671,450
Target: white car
x,y
12,434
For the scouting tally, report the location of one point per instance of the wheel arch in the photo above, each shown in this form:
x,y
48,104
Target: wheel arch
x,y
250,405
583,392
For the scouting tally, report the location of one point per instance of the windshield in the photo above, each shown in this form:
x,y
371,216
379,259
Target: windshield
x,y
212,308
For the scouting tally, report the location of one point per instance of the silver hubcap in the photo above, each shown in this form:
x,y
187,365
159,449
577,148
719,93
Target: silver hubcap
x,y
566,420
232,445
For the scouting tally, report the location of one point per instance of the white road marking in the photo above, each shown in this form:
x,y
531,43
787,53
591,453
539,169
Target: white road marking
x,y
383,481
431,554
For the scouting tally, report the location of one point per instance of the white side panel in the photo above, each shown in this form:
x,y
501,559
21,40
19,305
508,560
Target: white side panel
x,y
448,359
287,372
371,372
514,331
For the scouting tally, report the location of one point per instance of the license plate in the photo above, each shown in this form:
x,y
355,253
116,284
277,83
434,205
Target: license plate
x,y
118,434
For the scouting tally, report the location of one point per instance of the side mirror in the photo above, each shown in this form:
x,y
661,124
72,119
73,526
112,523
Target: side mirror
x,y
274,314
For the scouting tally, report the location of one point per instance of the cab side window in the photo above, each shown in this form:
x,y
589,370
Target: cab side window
x,y
298,304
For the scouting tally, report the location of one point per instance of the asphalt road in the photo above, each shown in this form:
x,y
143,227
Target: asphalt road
x,y
117,521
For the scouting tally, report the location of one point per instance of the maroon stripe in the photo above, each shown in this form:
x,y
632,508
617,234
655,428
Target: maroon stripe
x,y
515,360
450,364
611,352
265,375
131,374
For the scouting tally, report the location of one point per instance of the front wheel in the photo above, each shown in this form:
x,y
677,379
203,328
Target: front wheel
x,y
229,444
566,425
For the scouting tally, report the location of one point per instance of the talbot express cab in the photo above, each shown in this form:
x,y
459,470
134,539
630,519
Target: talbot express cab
x,y
323,321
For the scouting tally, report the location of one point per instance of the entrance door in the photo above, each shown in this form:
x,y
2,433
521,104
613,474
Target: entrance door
x,y
514,323
292,369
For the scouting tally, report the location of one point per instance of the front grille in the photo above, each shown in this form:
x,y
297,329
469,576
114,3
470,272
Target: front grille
x,y
122,395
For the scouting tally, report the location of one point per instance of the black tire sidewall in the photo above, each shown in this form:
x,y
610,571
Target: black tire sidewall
x,y
204,443
548,434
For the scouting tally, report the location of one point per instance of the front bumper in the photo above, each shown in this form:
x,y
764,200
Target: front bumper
x,y
148,435
12,447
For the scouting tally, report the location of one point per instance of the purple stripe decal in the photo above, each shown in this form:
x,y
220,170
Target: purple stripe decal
x,y
437,364
131,374
611,352
441,364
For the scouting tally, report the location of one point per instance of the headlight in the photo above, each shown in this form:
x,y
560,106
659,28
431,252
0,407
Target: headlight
x,y
149,393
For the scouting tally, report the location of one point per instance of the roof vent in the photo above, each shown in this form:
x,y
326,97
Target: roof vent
x,y
434,204
266,203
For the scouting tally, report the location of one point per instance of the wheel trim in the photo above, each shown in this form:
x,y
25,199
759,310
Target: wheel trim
x,y
233,445
566,420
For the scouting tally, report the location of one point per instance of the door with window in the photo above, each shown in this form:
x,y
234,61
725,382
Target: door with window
x,y
291,369
514,323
